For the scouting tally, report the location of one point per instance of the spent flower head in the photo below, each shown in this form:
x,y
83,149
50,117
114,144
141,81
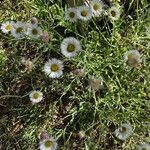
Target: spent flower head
x,y
94,83
45,37
132,58
34,21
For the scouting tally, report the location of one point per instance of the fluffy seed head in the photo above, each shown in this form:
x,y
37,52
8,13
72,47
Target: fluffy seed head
x,y
132,58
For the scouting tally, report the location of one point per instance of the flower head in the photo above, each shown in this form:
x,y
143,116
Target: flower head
x,y
7,26
123,132
45,37
70,46
84,13
145,146
132,58
34,31
54,68
18,30
71,14
34,21
114,13
97,7
36,96
94,83
48,144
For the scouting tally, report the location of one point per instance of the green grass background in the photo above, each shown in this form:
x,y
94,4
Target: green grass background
x,y
68,108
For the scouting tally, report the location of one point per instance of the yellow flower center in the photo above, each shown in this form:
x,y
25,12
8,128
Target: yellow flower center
x,y
54,67
19,30
96,7
34,31
84,13
71,14
113,13
48,144
123,129
131,56
36,95
8,27
71,48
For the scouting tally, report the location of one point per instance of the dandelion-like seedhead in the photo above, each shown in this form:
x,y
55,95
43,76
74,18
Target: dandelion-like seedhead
x,y
36,96
94,84
123,132
48,144
70,46
54,68
114,13
132,58
97,7
71,14
7,26
84,13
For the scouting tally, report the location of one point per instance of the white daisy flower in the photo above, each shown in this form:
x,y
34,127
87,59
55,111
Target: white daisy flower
x,y
54,68
123,132
48,144
97,7
84,13
7,26
145,146
132,58
114,13
36,96
34,31
18,30
70,46
71,14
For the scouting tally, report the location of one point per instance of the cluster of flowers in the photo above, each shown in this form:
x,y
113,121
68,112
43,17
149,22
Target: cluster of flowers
x,y
21,29
48,142
93,8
